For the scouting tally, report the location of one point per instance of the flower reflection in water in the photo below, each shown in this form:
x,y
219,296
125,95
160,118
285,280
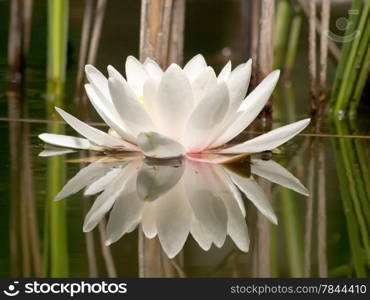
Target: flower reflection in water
x,y
172,198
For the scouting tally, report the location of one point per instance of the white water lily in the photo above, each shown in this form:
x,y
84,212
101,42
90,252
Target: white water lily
x,y
172,199
174,112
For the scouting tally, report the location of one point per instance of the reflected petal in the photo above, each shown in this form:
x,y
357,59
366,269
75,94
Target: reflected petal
x,y
100,184
173,220
155,180
205,201
201,236
256,195
125,214
106,199
61,140
276,173
84,177
148,221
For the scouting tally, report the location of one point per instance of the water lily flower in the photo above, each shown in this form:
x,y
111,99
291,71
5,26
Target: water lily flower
x,y
171,113
172,199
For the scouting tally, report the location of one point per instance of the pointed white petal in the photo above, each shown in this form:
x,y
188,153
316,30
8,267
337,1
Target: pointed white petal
x,y
207,115
105,201
248,110
135,74
94,135
68,141
270,140
195,66
98,80
148,221
276,173
155,180
129,108
255,194
173,220
174,102
155,145
205,81
126,213
201,236
112,72
225,72
205,201
100,184
108,113
84,177
153,69
238,83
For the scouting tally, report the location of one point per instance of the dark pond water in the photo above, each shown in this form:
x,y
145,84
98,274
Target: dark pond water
x,y
323,234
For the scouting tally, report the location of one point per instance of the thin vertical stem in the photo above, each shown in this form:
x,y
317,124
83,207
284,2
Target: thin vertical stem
x,y
86,25
176,42
255,17
281,32
321,216
312,53
96,30
324,38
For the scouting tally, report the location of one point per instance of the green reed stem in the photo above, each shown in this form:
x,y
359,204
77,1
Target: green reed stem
x,y
352,224
293,232
350,72
345,51
361,82
56,261
281,31
292,47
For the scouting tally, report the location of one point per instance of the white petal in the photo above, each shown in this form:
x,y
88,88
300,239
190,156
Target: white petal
x,y
276,173
149,220
174,102
125,214
158,146
129,108
105,201
94,135
207,115
206,204
173,220
201,236
155,180
115,74
84,177
153,69
100,184
108,113
136,75
225,72
255,194
205,81
150,98
98,80
270,140
195,66
248,110
68,141
238,83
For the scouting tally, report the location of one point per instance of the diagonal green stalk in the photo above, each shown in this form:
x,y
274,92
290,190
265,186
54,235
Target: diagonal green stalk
x,y
345,51
361,82
352,224
349,76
